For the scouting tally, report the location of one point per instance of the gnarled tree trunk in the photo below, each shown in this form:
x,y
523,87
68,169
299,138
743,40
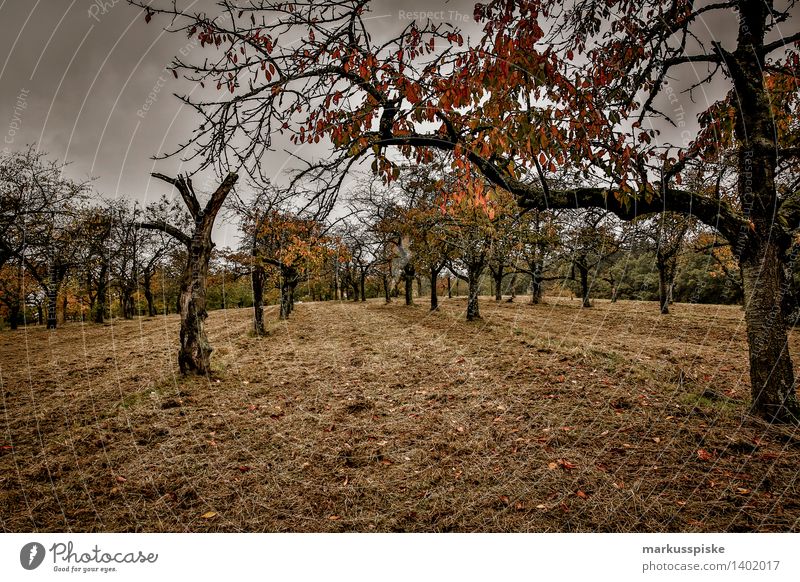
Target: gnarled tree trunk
x,y
408,277
194,355
434,292
584,275
474,271
664,287
771,372
257,279
386,295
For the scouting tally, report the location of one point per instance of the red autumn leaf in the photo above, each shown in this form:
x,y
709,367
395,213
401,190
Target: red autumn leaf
x,y
704,455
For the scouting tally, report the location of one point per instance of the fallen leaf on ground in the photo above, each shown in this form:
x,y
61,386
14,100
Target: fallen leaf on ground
x,y
704,455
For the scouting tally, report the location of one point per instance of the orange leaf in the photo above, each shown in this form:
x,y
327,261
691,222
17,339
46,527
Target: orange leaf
x,y
704,455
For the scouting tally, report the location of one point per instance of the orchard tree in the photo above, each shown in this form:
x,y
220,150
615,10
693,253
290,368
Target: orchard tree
x,y
538,236
664,235
290,248
506,230
194,355
39,226
590,241
472,212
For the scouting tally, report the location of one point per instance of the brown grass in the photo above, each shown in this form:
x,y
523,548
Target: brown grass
x,y
366,417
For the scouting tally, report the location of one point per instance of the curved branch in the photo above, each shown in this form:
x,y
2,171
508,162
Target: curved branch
x,y
167,228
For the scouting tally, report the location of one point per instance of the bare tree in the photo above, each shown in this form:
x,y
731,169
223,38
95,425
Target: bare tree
x,y
194,355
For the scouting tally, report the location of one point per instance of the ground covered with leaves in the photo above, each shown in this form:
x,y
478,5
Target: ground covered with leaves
x,y
372,417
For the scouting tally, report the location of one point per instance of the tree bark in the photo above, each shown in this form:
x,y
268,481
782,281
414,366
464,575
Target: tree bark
x,y
64,306
498,283
771,372
408,276
52,297
288,283
473,280
513,287
194,355
664,286
148,294
434,292
13,315
99,308
536,284
386,294
363,281
257,279
584,275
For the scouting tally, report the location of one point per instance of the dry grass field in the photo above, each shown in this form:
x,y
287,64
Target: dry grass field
x,y
372,417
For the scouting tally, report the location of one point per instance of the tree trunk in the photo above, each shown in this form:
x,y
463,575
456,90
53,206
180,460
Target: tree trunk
x,y
419,286
284,312
148,294
64,305
127,304
513,287
257,280
584,274
408,276
663,287
386,294
52,300
434,291
195,351
498,283
13,314
363,285
449,288
536,284
473,280
99,308
771,371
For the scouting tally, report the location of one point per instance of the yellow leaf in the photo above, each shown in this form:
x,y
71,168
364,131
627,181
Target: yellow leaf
x,y
209,514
